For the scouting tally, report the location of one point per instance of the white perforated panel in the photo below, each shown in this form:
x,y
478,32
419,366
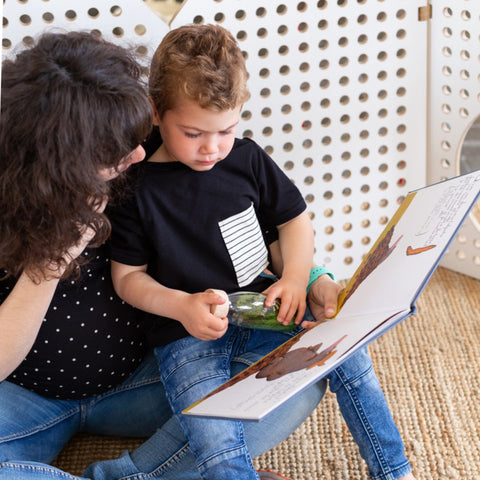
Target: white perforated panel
x,y
338,95
338,100
454,106
127,22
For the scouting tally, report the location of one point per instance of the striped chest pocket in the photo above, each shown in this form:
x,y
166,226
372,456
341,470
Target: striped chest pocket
x,y
244,241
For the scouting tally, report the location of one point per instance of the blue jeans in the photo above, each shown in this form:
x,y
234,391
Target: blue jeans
x,y
34,429
192,368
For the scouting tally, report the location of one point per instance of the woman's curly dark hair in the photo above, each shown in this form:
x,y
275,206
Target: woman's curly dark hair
x,y
70,106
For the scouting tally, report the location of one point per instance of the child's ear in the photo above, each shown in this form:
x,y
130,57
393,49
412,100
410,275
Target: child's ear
x,y
156,117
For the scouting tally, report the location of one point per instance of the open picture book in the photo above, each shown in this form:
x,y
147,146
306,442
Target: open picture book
x,y
381,293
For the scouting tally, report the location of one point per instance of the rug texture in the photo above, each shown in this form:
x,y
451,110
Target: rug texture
x,y
429,368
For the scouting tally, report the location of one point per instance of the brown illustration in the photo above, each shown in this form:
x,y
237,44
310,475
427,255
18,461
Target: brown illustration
x,y
263,362
298,359
379,255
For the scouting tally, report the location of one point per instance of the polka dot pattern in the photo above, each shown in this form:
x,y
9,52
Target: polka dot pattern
x,y
90,340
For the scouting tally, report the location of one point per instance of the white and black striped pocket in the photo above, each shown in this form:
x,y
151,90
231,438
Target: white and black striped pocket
x,y
244,240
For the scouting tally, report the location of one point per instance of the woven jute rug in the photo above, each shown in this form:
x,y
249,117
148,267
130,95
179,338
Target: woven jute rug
x,y
429,367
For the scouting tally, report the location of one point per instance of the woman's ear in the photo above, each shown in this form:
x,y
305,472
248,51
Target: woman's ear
x,y
156,118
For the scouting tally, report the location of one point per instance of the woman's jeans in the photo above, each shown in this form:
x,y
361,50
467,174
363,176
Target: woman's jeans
x,y
34,429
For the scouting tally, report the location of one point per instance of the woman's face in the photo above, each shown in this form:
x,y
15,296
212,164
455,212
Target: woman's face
x,y
109,173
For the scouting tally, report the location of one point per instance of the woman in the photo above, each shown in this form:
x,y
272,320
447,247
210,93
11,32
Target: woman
x,y
72,357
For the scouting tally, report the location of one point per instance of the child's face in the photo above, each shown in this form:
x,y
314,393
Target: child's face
x,y
197,137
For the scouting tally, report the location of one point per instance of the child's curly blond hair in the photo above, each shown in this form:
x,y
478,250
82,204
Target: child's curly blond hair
x,y
202,63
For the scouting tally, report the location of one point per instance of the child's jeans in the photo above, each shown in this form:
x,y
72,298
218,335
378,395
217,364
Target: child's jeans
x,y
192,368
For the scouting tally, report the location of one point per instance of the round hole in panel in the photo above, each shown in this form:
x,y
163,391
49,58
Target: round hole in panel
x,y
329,247
302,27
48,17
365,223
116,10
308,180
142,51
305,106
382,36
25,20
363,77
240,15
260,12
304,67
308,162
140,29
28,41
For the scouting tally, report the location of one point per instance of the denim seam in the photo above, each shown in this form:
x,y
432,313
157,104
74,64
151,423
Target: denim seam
x,y
361,413
165,466
395,473
121,388
44,426
37,468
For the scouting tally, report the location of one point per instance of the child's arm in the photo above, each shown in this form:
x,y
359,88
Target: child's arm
x,y
296,250
134,285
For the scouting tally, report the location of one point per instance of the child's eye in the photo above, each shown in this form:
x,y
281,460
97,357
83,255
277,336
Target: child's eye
x,y
192,135
226,132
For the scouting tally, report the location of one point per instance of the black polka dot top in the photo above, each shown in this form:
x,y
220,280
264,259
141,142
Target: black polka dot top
x,y
90,340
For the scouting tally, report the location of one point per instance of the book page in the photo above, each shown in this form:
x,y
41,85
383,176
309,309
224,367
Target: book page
x,y
380,294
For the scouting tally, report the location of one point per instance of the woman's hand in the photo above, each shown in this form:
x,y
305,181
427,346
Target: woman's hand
x,y
322,299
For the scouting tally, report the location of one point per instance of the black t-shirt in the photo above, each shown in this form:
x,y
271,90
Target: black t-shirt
x,y
90,340
199,230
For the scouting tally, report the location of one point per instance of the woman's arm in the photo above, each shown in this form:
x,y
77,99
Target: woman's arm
x,y
21,316
22,312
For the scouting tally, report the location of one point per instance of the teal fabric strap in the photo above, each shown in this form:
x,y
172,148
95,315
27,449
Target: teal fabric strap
x,y
316,272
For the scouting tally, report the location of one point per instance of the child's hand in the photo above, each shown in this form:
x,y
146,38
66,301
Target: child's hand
x,y
197,317
322,299
293,299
